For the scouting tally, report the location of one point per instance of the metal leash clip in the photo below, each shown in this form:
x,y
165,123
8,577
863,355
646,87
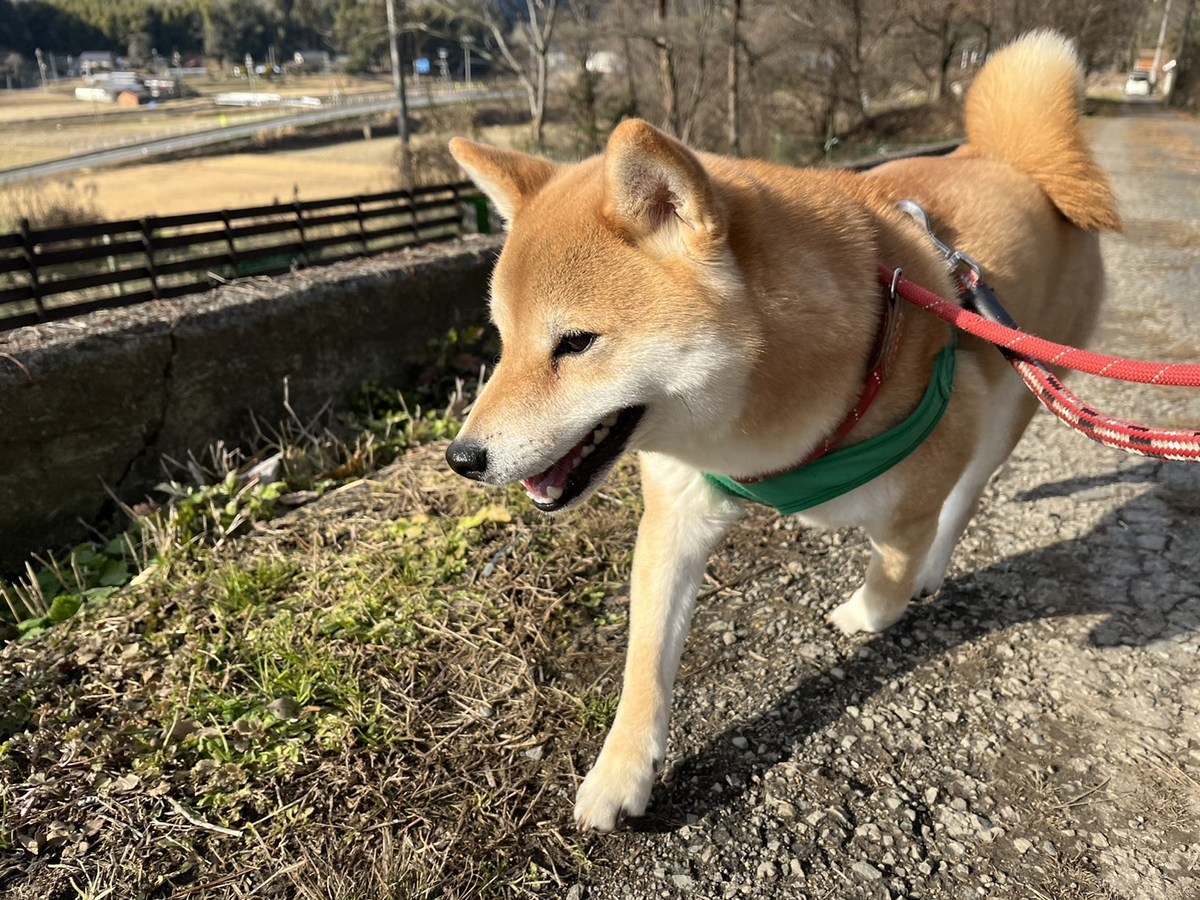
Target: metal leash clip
x,y
964,268
976,295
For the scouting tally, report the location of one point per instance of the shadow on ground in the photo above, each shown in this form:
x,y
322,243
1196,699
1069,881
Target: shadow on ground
x,y
1069,578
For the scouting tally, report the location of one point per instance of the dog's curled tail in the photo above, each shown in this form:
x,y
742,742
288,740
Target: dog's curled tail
x,y
1023,109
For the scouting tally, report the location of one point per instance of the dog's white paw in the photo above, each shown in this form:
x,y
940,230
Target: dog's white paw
x,y
618,785
861,613
930,581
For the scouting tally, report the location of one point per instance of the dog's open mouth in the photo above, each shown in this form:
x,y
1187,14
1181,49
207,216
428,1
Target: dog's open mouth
x,y
574,473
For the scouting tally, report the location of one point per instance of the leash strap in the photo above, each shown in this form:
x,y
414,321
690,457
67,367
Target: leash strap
x,y
997,327
1010,338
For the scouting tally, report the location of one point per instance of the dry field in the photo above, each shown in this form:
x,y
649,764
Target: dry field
x,y
60,100
27,106
311,169
238,179
242,179
28,142
36,126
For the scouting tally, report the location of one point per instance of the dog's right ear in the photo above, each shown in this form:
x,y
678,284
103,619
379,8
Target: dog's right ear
x,y
507,177
656,188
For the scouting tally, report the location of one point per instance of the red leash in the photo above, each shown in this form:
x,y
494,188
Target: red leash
x,y
1031,355
1041,350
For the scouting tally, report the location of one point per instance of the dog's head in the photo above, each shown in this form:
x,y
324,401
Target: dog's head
x,y
616,298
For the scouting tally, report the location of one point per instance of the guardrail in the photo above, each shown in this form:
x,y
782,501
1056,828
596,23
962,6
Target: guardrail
x,y
55,273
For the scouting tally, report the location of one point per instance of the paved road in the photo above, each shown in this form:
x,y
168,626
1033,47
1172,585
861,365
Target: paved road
x,y
235,132
1031,733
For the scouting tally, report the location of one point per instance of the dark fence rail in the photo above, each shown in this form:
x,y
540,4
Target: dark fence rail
x,y
54,273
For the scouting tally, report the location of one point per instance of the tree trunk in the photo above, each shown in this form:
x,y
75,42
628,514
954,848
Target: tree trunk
x,y
538,107
1185,87
666,69
733,123
945,57
630,80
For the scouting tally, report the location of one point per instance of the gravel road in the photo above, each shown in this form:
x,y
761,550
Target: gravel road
x,y
1032,731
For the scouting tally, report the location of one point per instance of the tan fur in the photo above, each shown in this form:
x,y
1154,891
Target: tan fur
x,y
1042,140
737,302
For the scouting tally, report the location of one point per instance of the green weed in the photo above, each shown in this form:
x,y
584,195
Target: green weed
x,y
88,573
597,711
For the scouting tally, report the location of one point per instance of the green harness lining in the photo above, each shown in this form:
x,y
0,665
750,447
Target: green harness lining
x,y
842,471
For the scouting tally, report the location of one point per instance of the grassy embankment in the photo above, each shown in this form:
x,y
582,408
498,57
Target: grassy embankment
x,y
341,681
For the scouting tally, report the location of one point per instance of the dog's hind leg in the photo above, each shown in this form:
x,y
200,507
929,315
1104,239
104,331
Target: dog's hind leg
x,y
905,521
1010,409
685,517
898,550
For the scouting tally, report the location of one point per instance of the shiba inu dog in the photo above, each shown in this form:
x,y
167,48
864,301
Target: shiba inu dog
x,y
720,316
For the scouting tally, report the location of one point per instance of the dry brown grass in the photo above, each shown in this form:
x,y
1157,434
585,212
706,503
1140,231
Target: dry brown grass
x,y
47,204
384,694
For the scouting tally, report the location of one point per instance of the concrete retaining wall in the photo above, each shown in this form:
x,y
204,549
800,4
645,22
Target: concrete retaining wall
x,y
98,400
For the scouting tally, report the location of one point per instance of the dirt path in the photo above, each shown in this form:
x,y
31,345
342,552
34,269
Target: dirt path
x,y
1032,732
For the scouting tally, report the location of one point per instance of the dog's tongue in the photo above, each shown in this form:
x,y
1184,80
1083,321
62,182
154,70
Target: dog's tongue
x,y
549,484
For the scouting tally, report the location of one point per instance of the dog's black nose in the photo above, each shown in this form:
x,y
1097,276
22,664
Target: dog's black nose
x,y
467,458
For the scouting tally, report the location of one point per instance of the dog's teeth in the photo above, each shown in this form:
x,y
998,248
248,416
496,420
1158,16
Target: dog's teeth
x,y
554,493
600,435
611,421
586,450
575,463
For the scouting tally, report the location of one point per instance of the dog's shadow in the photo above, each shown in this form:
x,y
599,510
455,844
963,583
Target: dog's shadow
x,y
1139,567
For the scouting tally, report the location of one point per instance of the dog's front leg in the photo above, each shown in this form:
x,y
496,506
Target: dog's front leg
x,y
684,519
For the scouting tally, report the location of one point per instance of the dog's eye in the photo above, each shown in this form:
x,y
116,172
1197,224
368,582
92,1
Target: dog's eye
x,y
571,344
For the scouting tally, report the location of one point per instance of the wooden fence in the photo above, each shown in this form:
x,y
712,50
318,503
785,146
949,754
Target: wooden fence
x,y
54,273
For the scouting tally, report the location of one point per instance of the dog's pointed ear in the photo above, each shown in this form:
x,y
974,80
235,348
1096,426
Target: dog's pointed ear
x,y
507,177
655,185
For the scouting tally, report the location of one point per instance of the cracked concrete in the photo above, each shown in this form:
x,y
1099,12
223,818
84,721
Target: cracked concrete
x,y
151,440
97,401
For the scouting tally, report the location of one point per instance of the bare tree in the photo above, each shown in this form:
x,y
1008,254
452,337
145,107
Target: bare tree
x,y
624,31
14,68
1102,29
840,41
578,35
940,27
1186,92
533,34
701,30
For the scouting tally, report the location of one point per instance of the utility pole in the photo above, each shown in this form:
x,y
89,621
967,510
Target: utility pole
x,y
1183,86
1162,38
401,97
